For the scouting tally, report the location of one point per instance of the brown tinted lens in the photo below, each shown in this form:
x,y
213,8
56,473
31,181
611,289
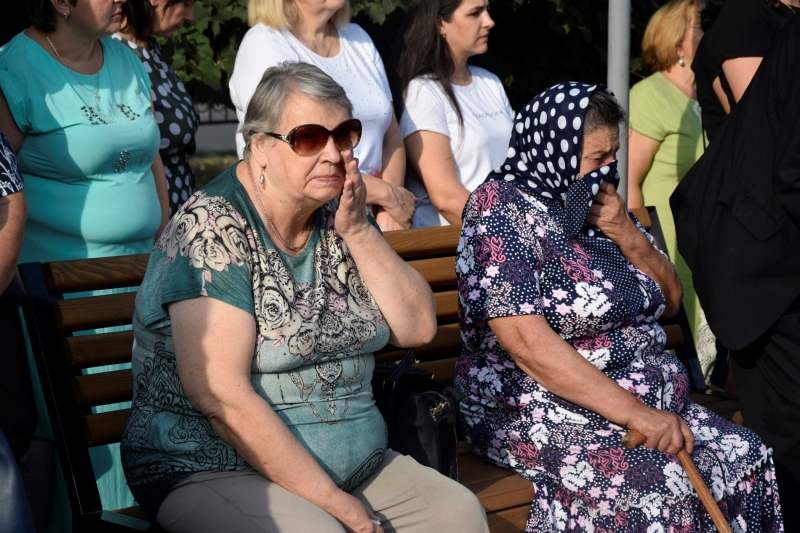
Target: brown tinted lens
x,y
309,139
347,134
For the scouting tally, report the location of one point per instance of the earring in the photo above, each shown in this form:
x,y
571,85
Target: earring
x,y
681,62
66,17
261,177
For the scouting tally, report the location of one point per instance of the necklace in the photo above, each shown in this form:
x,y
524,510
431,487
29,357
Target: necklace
x,y
330,41
96,92
269,220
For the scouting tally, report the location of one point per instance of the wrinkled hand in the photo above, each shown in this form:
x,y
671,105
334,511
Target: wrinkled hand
x,y
354,515
610,214
351,216
400,206
666,432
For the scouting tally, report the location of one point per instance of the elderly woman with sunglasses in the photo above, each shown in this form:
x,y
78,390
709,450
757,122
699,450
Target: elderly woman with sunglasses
x,y
255,327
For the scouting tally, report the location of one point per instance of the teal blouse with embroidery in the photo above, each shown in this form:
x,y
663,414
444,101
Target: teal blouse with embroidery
x,y
318,326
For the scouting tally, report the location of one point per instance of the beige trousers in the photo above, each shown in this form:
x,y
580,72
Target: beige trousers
x,y
408,498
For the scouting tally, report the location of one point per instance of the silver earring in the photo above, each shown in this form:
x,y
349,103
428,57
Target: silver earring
x,y
261,177
681,62
66,17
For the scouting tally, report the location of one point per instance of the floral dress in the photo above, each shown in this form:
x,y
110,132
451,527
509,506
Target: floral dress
x,y
514,259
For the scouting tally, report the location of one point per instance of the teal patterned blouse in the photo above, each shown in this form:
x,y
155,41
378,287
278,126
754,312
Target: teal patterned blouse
x,y
312,358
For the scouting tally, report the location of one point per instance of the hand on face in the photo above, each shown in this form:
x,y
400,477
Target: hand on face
x,y
610,214
351,216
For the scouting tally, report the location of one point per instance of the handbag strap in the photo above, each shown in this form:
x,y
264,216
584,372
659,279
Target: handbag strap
x,y
402,366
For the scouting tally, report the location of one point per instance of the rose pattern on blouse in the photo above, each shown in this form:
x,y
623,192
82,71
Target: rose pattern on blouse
x,y
318,323
514,259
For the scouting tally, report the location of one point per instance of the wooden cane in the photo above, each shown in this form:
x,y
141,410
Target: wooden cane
x,y
633,439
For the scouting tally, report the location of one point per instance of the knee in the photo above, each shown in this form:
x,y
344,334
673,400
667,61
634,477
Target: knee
x,y
456,508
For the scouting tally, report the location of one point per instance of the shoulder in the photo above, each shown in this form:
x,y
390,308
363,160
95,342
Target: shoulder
x,y
210,232
261,34
356,35
17,51
424,85
648,87
484,76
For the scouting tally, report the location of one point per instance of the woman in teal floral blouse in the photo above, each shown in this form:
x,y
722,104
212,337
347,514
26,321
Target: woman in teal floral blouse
x,y
255,326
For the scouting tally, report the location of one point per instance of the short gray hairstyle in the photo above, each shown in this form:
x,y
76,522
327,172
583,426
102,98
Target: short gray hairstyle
x,y
603,111
267,105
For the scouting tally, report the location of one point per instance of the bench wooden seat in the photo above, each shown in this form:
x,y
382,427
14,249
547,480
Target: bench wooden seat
x,y
61,358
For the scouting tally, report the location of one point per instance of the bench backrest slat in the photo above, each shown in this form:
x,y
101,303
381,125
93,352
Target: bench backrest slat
x,y
99,349
93,312
90,275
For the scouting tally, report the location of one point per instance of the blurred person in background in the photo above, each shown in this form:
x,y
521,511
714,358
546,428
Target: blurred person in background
x,y
455,119
735,45
666,138
175,111
82,126
320,33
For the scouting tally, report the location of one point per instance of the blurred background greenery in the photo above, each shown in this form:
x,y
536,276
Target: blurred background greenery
x,y
535,43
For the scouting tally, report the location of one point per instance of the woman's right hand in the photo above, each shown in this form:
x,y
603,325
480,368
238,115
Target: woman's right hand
x,y
665,431
353,514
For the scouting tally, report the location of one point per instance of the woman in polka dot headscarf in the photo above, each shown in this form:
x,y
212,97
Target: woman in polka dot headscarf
x,y
560,289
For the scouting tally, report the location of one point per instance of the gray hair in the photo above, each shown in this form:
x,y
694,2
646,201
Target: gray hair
x,y
603,111
267,105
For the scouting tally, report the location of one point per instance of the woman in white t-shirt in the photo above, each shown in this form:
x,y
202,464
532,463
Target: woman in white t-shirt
x,y
456,121
319,33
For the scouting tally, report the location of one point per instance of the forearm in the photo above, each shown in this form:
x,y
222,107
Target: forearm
x,y
13,211
452,205
163,193
640,252
394,157
270,447
554,364
402,294
378,191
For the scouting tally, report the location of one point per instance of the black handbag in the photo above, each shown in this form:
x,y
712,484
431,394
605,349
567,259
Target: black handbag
x,y
420,414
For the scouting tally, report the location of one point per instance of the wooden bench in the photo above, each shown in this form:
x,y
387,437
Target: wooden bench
x,y
61,358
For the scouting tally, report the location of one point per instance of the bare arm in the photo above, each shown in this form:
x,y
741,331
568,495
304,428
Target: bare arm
x,y
641,151
608,212
394,171
721,96
402,294
13,212
553,363
163,194
214,344
430,156
739,72
9,126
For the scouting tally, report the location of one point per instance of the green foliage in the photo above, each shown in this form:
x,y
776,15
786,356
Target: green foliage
x,y
204,52
535,43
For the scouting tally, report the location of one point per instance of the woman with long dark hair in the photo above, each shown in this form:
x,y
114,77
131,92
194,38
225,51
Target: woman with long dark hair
x,y
456,120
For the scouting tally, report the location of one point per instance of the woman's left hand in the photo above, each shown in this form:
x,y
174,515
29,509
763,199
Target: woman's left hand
x,y
351,216
610,215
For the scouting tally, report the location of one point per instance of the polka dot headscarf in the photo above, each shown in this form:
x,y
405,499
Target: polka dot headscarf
x,y
544,154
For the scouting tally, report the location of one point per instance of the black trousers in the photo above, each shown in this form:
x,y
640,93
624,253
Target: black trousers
x,y
767,375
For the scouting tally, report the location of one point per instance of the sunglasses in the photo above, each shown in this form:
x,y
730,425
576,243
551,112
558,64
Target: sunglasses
x,y
310,139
